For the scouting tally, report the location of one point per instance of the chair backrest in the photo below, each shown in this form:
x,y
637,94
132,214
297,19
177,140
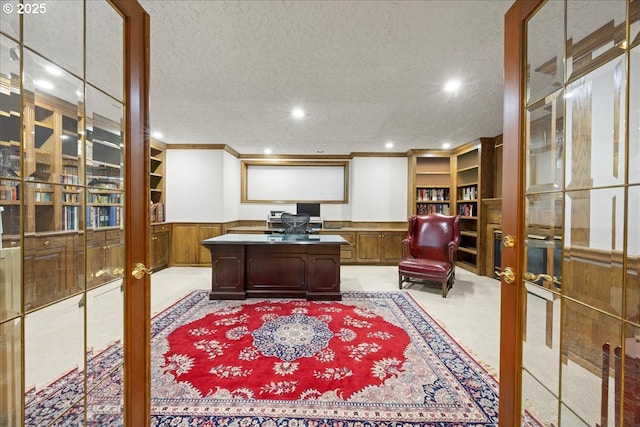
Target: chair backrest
x,y
295,223
429,235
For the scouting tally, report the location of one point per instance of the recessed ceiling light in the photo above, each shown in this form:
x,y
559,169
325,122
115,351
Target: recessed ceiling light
x,y
452,85
268,151
389,144
157,135
298,113
54,71
446,145
567,95
43,84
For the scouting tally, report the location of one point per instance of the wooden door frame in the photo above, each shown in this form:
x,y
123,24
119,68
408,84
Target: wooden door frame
x,y
511,295
137,311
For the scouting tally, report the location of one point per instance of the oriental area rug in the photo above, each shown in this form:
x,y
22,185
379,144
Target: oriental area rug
x,y
372,359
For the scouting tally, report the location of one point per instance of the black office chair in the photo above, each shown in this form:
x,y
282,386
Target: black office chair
x,y
295,224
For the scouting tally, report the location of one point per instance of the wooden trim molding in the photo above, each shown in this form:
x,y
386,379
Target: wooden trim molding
x,y
244,179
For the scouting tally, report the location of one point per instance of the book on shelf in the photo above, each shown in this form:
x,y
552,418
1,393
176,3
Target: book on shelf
x,y
70,218
432,194
470,193
467,209
156,212
103,216
427,208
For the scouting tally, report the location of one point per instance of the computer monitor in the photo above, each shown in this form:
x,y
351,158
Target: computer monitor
x,y
313,209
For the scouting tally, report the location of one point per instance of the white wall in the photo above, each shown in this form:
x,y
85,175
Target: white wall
x,y
193,185
379,189
204,186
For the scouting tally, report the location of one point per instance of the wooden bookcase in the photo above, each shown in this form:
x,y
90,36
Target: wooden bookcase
x,y
475,180
431,189
455,182
467,191
156,181
61,171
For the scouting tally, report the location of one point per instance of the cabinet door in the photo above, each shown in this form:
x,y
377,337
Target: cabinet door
x,y
114,256
96,249
186,246
159,247
391,247
347,252
206,232
45,271
368,247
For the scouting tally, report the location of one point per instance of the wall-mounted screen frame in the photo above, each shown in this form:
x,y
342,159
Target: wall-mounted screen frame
x,y
293,181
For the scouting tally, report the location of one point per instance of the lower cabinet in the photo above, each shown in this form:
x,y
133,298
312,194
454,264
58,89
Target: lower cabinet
x,y
53,268
347,252
105,256
159,247
186,249
379,247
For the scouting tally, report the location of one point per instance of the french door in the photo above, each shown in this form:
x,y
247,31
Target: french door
x,y
73,211
570,304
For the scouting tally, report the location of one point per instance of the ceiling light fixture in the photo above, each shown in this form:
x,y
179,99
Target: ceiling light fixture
x,y
452,85
14,54
389,144
446,145
268,151
54,71
298,113
43,84
157,135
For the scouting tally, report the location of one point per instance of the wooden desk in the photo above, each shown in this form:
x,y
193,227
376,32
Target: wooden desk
x,y
272,265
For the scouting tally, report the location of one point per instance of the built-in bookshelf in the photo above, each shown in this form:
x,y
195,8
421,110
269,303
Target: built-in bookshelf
x,y
156,181
432,189
467,160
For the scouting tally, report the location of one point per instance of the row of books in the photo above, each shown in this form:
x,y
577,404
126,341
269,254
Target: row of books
x,y
469,193
105,198
9,192
70,217
70,198
104,216
156,212
432,194
467,209
427,208
69,179
42,197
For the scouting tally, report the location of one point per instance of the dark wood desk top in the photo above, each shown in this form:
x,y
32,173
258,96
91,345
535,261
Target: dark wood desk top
x,y
260,239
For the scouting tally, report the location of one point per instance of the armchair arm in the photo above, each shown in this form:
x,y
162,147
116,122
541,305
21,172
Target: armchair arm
x,y
406,245
453,251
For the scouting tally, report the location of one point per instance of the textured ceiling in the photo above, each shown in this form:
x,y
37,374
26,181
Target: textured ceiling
x,y
366,72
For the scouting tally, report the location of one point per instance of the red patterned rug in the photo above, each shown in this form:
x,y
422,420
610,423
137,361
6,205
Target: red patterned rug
x,y
372,359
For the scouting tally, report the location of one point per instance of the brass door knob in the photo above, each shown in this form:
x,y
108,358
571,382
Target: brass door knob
x,y
508,275
508,241
139,270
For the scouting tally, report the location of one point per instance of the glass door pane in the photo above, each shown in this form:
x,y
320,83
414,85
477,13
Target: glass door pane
x,y
62,214
581,204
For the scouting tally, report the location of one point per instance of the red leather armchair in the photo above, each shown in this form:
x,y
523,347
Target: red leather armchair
x,y
430,250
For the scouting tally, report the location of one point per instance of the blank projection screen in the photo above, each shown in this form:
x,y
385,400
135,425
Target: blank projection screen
x,y
324,182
